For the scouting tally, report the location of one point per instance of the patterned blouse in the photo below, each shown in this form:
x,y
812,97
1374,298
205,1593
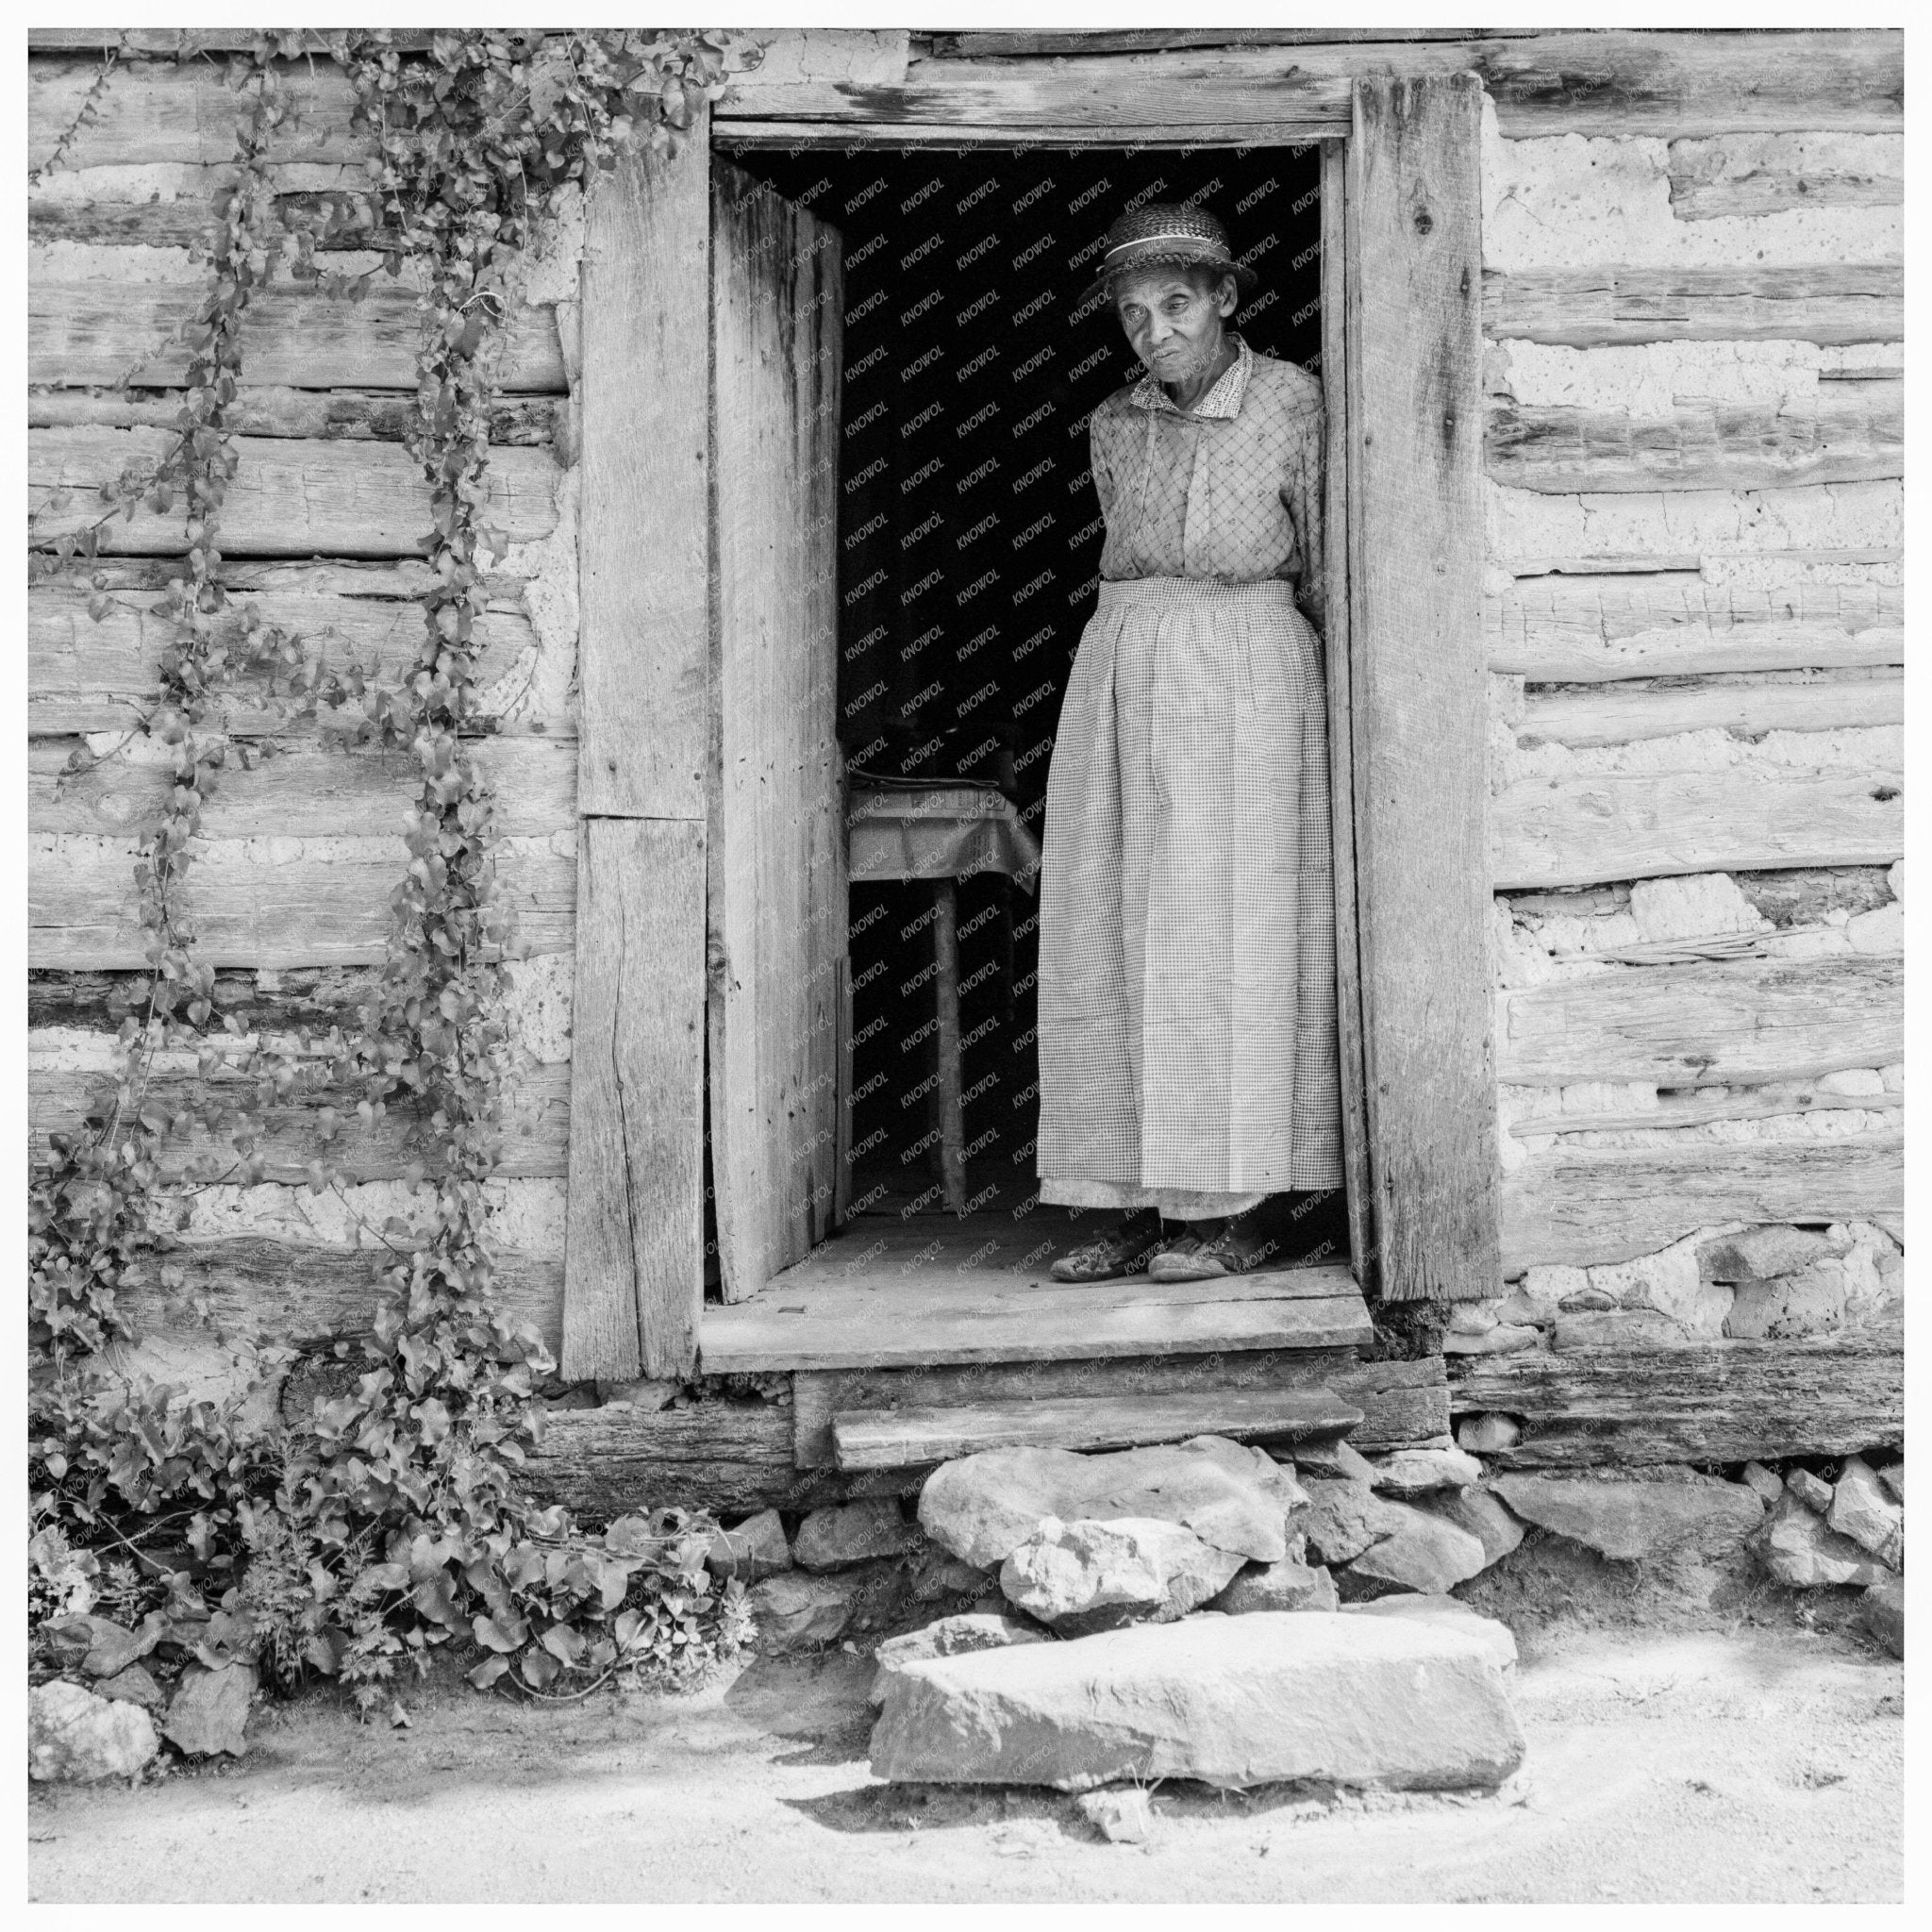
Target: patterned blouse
x,y
1231,489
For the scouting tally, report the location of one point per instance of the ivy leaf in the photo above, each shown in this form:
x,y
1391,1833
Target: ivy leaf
x,y
487,1673
504,1635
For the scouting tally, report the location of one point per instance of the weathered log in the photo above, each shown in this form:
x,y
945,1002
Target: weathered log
x,y
1596,308
1591,629
182,42
302,1294
1715,1402
1737,1022
1855,434
289,498
340,414
150,111
85,676
1622,714
315,997
1028,44
1690,1109
1571,831
270,902
535,1125
1550,83
286,498
1586,82
730,1457
1763,174
298,789
1580,1206
111,330
184,220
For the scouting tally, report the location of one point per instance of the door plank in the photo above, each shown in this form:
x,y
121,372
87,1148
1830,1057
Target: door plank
x,y
916,1317
643,654
777,898
633,1237
1416,559
1348,988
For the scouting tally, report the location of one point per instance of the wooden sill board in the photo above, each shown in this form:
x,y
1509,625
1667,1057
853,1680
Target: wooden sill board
x,y
892,1438
814,1316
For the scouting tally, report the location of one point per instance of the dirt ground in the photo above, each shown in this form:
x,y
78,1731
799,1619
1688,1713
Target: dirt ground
x,y
1700,1758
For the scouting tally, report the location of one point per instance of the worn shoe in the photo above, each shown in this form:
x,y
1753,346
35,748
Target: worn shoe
x,y
1103,1258
1235,1250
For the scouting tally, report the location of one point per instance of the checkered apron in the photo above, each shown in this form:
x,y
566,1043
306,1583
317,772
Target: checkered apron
x,y
1187,937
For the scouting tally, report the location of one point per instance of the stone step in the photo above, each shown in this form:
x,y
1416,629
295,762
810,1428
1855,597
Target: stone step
x,y
1413,1703
892,1438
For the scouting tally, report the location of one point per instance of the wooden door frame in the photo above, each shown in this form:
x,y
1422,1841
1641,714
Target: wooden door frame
x,y
1405,674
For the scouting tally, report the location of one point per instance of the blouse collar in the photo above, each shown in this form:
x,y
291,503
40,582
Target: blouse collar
x,y
1223,402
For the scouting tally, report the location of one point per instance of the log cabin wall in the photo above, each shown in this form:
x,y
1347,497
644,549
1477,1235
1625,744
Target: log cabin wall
x,y
321,534
1694,612
1692,317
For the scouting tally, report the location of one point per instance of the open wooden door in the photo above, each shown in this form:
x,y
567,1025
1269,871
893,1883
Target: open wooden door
x,y
776,873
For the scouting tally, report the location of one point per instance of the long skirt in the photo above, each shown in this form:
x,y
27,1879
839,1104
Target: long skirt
x,y
1187,928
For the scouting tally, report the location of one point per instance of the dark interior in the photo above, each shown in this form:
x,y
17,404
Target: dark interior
x,y
968,546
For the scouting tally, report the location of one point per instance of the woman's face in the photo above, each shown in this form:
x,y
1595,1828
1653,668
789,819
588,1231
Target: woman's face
x,y
1176,320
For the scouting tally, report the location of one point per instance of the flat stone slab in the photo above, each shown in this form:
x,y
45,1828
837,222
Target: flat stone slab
x,y
1448,1612
1399,1703
1631,1520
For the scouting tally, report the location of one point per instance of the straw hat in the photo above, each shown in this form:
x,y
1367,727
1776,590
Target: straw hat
x,y
1167,234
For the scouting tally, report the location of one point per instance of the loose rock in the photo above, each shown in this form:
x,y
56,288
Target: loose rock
x,y
135,1685
751,1549
940,1573
952,1637
72,1736
1883,1612
1811,1490
1893,1475
1232,1701
1248,1463
1335,1459
793,1611
982,1508
1631,1520
1424,1552
1799,1549
1768,1483
1087,1575
848,1533
1122,1818
1483,1435
1761,1254
210,1711
1271,1586
1482,1514
1861,1510
1343,1520
1194,1490
1415,1471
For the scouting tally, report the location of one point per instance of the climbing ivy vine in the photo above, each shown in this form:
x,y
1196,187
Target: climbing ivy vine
x,y
393,1524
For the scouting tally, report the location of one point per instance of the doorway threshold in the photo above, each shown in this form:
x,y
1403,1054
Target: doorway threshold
x,y
915,1290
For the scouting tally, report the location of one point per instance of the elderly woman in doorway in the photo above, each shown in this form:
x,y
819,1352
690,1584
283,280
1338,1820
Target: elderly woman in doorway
x,y
1187,1061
